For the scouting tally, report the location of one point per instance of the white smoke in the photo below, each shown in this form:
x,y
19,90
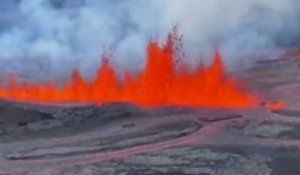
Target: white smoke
x,y
52,37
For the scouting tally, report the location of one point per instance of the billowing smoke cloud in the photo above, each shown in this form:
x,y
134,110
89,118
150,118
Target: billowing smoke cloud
x,y
51,37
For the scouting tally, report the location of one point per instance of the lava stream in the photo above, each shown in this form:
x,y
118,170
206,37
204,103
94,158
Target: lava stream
x,y
163,82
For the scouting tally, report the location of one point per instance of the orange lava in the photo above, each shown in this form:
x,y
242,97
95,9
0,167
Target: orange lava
x,y
276,105
163,82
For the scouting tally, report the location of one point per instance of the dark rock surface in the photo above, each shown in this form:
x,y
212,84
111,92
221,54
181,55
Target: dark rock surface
x,y
123,139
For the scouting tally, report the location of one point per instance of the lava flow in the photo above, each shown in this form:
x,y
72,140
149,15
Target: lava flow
x,y
163,82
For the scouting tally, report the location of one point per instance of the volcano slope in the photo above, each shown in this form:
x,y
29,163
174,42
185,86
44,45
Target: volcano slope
x,y
122,139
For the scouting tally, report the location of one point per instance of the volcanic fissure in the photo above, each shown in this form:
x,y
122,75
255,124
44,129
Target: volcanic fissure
x,y
162,82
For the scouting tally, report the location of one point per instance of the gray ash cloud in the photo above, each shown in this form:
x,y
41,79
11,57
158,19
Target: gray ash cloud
x,y
52,37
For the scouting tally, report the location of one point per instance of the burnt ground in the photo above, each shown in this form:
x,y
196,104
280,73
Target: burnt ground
x,y
123,139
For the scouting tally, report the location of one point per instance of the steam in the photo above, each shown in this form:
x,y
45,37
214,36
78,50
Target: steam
x,y
52,37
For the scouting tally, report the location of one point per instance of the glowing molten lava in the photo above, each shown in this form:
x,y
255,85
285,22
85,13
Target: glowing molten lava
x,y
163,82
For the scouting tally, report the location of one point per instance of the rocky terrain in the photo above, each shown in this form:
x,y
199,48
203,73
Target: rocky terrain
x,y
123,139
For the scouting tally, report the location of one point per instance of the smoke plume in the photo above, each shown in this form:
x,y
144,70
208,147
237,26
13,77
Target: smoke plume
x,y
52,37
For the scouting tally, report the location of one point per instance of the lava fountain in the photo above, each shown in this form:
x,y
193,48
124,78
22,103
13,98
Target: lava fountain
x,y
162,82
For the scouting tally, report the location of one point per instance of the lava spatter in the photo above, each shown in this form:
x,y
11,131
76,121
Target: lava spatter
x,y
162,82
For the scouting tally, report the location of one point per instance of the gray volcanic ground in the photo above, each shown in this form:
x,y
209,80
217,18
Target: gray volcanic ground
x,y
123,139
